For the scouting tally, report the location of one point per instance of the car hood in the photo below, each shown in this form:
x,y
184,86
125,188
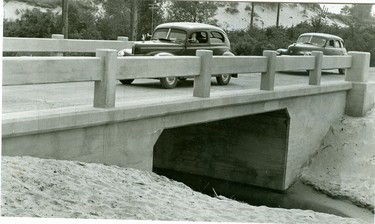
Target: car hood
x,y
153,47
303,48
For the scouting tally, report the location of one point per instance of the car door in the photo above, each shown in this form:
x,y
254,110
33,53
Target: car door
x,y
197,40
218,43
333,47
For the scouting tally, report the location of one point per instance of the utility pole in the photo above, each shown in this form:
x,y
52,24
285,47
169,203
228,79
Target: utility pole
x,y
65,20
134,19
252,15
278,14
152,7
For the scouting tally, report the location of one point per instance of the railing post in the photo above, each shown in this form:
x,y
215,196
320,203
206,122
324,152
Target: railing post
x,y
361,98
202,82
105,89
316,74
57,37
358,72
267,81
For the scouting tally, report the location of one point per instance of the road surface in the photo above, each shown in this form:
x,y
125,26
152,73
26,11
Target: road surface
x,y
40,97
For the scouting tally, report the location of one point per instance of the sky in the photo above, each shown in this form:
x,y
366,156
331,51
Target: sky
x,y
335,8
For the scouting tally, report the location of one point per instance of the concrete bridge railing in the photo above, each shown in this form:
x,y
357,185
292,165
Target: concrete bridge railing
x,y
106,68
57,45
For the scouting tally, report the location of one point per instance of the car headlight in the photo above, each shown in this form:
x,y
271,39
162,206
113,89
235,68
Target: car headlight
x,y
120,53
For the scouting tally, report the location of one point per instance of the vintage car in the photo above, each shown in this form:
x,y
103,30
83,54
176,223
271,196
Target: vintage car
x,y
182,38
308,42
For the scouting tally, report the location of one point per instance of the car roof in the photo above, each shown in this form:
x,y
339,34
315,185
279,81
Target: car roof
x,y
325,35
189,26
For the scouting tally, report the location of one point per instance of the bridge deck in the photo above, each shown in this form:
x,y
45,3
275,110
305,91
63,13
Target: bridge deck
x,y
41,97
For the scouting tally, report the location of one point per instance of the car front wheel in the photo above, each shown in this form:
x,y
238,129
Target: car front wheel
x,y
223,79
169,82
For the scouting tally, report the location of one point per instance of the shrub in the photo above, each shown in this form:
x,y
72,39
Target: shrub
x,y
33,23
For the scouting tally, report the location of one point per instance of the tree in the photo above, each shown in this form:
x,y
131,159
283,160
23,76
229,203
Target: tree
x,y
359,13
65,18
115,21
82,21
278,14
345,10
252,15
33,23
134,19
188,11
318,23
150,15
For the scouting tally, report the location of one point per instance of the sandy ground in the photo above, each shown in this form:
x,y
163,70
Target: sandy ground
x,y
290,15
33,187
13,10
347,159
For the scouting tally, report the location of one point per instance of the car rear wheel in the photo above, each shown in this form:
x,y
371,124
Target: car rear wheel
x,y
126,81
223,79
169,82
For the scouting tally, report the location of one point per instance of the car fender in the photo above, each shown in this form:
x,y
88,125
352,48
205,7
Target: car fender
x,y
281,51
125,52
161,54
228,53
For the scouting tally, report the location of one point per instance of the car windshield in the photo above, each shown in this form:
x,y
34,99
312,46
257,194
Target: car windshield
x,y
172,35
160,33
314,40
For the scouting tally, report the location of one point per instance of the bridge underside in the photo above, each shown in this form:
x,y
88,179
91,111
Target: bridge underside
x,y
250,149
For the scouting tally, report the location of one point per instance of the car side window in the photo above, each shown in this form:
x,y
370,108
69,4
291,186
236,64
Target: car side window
x,y
198,37
342,44
177,36
217,38
337,44
331,43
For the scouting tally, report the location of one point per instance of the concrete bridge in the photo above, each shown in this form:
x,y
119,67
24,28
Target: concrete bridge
x,y
260,137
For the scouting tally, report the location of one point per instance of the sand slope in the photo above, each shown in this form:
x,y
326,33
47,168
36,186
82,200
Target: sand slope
x,y
265,16
33,187
345,164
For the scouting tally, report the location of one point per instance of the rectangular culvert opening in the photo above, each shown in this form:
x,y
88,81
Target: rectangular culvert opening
x,y
245,151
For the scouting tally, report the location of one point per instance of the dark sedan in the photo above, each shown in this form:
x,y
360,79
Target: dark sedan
x,y
327,43
182,38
